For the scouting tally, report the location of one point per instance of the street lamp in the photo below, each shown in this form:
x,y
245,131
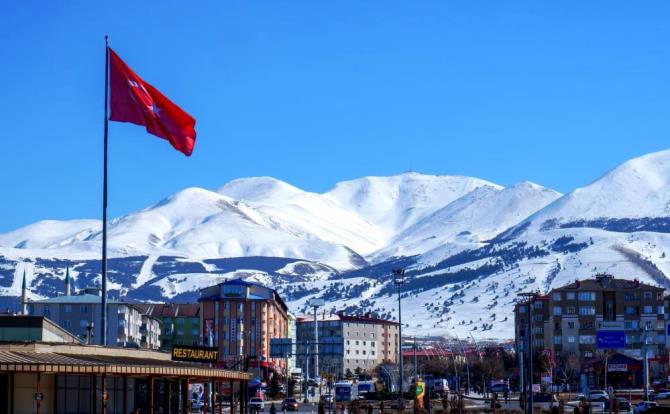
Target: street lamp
x,y
529,297
398,280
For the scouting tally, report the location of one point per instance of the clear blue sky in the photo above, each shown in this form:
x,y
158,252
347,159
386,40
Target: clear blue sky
x,y
316,92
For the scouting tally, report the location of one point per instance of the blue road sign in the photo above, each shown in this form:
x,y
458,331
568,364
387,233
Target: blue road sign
x,y
610,339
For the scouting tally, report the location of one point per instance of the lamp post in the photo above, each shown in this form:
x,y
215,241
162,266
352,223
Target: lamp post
x,y
530,297
398,280
645,366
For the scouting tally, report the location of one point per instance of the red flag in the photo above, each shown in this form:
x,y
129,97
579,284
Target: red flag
x,y
135,101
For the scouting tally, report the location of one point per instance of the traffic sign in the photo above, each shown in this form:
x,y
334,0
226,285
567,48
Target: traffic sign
x,y
610,339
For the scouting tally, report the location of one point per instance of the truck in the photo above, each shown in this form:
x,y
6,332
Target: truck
x,y
362,387
342,391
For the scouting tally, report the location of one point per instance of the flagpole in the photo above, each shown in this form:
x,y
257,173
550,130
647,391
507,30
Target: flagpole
x,y
103,319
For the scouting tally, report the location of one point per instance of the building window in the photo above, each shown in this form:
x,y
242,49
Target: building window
x,y
630,310
538,318
83,309
629,296
647,295
587,325
522,309
588,354
558,339
556,296
571,339
587,296
630,325
570,310
586,339
571,325
648,309
587,310
537,305
557,311
570,295
661,309
67,324
67,308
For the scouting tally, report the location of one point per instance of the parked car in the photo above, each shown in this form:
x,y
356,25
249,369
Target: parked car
x,y
643,406
327,398
598,395
624,404
663,395
313,382
289,404
256,404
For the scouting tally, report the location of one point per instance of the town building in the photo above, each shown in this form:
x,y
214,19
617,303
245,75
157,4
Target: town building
x,y
45,378
180,323
568,321
347,343
28,328
80,312
240,318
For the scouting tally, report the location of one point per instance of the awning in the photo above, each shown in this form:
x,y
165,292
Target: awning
x,y
101,360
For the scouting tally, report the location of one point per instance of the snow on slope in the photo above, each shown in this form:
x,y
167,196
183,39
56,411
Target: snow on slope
x,y
258,217
47,234
395,203
476,217
639,188
306,214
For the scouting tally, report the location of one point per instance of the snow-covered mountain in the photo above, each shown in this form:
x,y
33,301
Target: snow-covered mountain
x,y
468,245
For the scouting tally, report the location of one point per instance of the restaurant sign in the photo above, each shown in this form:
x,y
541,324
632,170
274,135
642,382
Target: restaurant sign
x,y
194,353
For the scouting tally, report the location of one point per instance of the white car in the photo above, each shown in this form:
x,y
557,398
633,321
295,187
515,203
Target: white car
x,y
256,404
598,395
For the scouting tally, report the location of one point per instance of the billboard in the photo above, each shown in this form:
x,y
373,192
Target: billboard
x,y
610,339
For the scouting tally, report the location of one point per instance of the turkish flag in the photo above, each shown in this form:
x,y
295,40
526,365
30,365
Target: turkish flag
x,y
135,101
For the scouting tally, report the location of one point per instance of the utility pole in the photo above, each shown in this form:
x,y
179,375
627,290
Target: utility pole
x,y
416,372
530,298
399,279
315,303
646,363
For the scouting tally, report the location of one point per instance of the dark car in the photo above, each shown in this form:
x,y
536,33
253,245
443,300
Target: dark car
x,y
624,404
289,404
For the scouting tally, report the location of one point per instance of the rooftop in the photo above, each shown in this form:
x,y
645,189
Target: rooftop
x,y
83,298
604,281
72,359
344,318
171,310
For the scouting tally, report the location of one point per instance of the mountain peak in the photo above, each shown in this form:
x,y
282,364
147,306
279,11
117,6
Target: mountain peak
x,y
259,189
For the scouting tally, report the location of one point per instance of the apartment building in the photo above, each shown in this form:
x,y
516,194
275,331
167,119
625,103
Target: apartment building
x,y
570,319
240,318
80,313
180,323
346,343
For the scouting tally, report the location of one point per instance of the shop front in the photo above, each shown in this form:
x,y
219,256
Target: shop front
x,y
65,378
